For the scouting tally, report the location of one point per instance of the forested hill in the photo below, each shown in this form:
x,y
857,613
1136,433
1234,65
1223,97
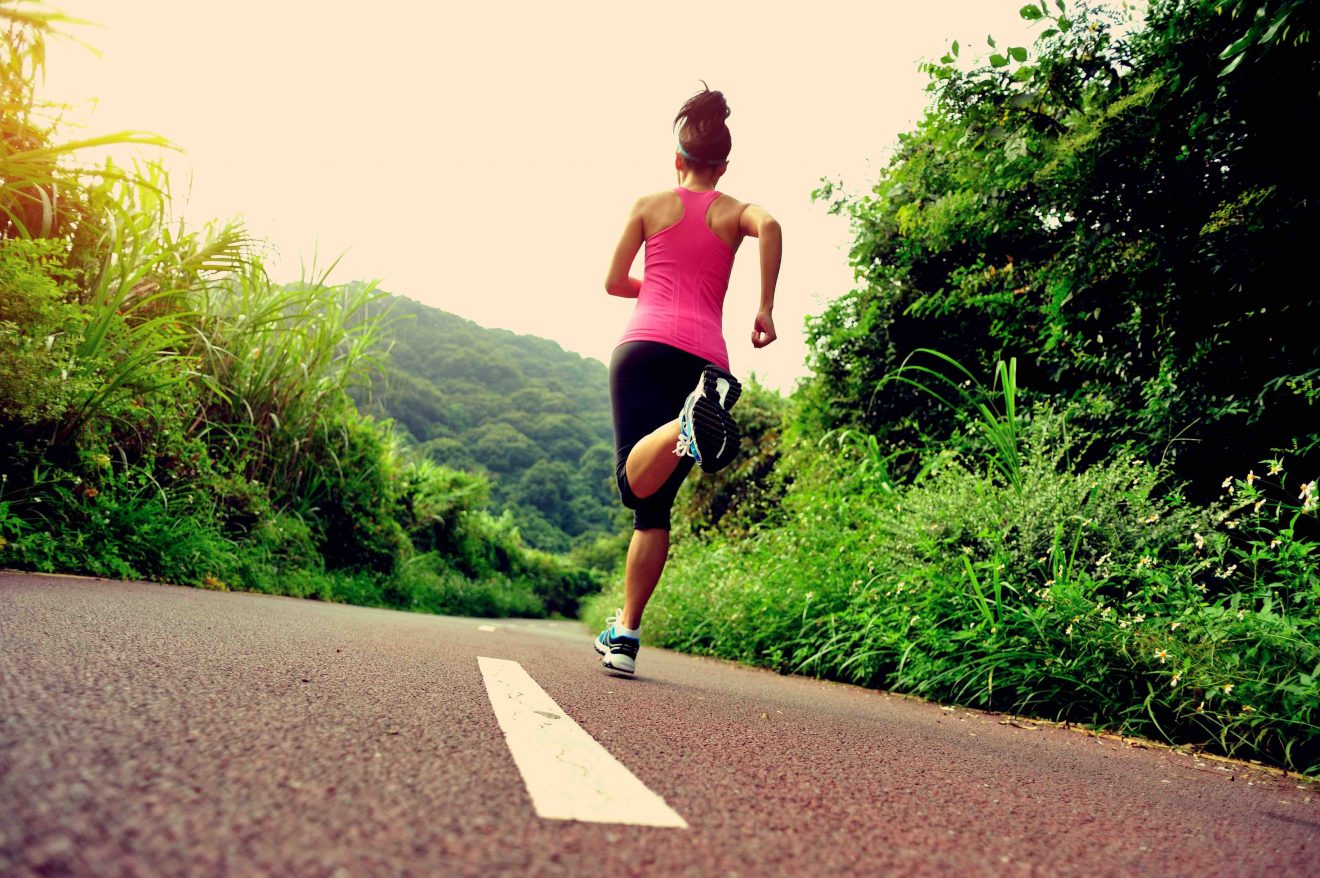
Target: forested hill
x,y
531,416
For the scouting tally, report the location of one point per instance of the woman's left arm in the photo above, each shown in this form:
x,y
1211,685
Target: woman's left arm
x,y
617,281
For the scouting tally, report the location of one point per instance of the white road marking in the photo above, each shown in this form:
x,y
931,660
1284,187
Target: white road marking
x,y
568,775
485,627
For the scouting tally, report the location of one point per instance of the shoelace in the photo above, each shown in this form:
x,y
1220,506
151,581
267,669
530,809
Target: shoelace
x,y
684,446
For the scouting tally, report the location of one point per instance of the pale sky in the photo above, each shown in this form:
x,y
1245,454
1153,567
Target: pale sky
x,y
482,157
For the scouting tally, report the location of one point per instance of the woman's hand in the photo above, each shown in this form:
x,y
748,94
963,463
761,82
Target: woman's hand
x,y
763,330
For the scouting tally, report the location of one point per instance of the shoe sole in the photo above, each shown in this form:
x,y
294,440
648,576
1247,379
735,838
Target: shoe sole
x,y
716,434
710,386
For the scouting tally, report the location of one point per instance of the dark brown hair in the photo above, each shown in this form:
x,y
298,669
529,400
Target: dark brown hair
x,y
703,135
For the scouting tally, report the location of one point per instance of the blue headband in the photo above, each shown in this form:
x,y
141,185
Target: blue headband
x,y
685,154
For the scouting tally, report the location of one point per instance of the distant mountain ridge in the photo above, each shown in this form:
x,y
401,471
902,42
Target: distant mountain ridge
x,y
530,415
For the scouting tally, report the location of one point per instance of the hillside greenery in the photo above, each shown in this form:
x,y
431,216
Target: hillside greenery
x,y
168,412
529,417
1058,452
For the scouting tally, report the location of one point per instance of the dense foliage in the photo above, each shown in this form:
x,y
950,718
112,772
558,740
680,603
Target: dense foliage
x,y
1058,455
1125,216
527,415
168,412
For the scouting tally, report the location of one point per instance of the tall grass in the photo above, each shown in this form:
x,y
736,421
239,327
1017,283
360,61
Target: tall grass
x,y
995,408
276,359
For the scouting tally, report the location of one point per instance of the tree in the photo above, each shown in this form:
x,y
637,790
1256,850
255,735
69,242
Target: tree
x,y
1124,214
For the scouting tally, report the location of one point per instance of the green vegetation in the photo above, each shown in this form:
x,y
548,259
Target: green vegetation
x,y
1120,530
533,419
167,412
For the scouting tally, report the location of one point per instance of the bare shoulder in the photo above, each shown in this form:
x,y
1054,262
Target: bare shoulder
x,y
725,218
658,210
726,203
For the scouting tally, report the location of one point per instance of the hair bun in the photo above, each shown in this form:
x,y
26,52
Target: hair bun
x,y
704,135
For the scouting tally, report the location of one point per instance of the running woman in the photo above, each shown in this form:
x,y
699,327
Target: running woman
x,y
675,343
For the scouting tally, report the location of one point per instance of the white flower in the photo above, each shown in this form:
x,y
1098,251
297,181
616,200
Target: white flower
x,y
1251,477
1174,681
1228,482
1200,541
1275,468
1241,614
1274,543
1174,626
1228,688
1162,655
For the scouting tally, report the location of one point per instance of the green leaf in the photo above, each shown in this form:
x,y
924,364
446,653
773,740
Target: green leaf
x,y
1237,47
955,48
991,42
1064,23
1031,13
1274,28
1059,3
1233,66
1046,34
1018,54
998,61
947,59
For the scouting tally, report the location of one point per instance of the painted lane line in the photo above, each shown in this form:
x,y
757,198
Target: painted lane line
x,y
485,627
568,775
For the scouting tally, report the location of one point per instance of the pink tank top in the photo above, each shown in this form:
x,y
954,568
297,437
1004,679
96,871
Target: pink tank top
x,y
681,302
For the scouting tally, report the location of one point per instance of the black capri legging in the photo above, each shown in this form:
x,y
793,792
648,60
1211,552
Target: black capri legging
x,y
648,383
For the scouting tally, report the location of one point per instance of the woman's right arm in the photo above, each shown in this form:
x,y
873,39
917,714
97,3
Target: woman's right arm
x,y
617,280
757,223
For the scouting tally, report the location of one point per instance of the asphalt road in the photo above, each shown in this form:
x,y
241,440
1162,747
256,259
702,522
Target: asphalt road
x,y
152,730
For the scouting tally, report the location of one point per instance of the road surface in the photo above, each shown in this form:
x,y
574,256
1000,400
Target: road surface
x,y
154,730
